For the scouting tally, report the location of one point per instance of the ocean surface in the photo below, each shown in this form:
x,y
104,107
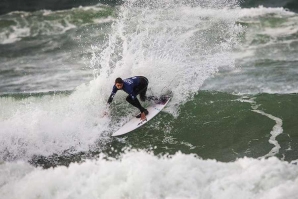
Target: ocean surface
x,y
230,130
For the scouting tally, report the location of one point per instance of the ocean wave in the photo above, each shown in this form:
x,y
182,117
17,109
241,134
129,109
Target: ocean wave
x,y
138,174
18,25
286,4
59,128
29,6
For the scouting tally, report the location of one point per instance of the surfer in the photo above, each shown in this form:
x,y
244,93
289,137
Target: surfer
x,y
133,86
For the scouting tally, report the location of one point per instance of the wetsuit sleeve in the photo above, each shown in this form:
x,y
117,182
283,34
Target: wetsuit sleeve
x,y
114,91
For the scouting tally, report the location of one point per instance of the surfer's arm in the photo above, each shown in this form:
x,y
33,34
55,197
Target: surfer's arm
x,y
111,98
112,95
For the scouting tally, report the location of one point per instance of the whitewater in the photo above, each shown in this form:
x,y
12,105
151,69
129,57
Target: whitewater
x,y
56,143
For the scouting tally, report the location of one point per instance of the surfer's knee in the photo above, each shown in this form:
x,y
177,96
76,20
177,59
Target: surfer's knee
x,y
129,99
143,97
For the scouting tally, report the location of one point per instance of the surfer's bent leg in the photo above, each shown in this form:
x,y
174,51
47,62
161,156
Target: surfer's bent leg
x,y
142,88
135,102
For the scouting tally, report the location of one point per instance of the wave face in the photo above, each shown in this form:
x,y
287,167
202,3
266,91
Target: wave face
x,y
230,128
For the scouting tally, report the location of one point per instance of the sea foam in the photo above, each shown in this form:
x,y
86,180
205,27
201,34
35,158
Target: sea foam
x,y
138,174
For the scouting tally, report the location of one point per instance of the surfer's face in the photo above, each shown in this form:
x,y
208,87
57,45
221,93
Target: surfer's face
x,y
119,85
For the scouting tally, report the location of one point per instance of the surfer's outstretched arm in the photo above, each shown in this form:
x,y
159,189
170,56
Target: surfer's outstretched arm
x,y
112,94
111,98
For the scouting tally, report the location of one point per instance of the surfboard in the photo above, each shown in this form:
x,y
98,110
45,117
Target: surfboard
x,y
135,123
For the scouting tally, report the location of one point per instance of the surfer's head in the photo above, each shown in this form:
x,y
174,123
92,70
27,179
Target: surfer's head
x,y
119,83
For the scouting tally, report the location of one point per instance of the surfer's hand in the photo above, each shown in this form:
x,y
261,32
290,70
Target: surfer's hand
x,y
104,114
143,116
106,111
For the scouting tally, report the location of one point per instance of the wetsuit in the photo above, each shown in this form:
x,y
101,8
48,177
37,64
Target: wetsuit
x,y
133,86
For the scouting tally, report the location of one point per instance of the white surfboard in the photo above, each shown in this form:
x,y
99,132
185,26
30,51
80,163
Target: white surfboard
x,y
135,123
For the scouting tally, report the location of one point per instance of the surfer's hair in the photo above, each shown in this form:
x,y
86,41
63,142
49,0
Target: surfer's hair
x,y
118,80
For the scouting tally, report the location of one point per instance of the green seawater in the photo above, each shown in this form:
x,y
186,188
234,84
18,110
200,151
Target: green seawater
x,y
213,125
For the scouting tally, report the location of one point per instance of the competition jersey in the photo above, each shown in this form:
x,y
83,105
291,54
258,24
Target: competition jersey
x,y
128,86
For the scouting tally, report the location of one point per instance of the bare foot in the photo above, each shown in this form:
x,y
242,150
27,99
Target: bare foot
x,y
143,116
